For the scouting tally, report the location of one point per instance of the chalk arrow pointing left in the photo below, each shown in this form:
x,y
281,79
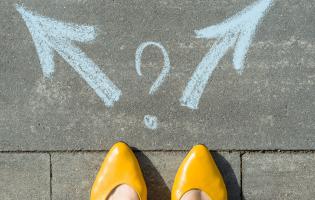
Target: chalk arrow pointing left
x,y
50,35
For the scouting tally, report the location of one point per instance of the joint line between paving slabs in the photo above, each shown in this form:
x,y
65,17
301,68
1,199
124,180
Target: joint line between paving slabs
x,y
166,151
241,175
50,176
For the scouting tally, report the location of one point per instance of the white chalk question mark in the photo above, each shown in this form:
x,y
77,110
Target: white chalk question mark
x,y
149,120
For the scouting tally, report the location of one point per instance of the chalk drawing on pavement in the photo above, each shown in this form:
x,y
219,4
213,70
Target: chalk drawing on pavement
x,y
237,31
150,121
166,68
50,35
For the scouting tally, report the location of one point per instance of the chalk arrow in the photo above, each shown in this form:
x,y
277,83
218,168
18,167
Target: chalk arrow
x,y
50,35
238,32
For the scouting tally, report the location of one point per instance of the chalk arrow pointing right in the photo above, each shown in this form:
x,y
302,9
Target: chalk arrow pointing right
x,y
236,31
50,35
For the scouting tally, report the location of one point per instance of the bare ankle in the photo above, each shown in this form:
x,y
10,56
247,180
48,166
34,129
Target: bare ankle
x,y
123,192
195,195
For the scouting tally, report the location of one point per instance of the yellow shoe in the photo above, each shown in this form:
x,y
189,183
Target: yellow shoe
x,y
120,166
199,171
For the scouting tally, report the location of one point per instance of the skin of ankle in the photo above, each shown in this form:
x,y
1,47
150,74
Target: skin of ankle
x,y
123,192
195,195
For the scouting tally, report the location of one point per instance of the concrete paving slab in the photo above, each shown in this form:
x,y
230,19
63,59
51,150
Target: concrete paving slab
x,y
270,106
278,176
24,176
74,173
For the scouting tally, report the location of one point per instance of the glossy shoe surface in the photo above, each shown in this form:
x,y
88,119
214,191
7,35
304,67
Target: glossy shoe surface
x,y
199,171
120,166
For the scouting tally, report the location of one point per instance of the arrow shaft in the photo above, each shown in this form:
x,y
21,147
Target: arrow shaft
x,y
90,72
201,75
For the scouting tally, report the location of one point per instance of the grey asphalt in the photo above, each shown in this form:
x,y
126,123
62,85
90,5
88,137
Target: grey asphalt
x,y
269,106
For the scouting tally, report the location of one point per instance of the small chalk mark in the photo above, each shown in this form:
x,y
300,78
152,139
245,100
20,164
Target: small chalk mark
x,y
151,122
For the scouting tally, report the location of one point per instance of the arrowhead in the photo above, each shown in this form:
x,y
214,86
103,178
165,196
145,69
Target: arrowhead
x,y
242,25
47,34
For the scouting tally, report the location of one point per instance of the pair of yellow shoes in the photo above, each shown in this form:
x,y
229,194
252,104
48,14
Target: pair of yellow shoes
x,y
197,171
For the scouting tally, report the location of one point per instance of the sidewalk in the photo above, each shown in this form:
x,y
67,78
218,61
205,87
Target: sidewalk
x,y
66,175
235,75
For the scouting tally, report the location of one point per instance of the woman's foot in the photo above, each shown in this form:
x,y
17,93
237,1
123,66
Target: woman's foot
x,y
120,176
198,177
123,192
195,195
